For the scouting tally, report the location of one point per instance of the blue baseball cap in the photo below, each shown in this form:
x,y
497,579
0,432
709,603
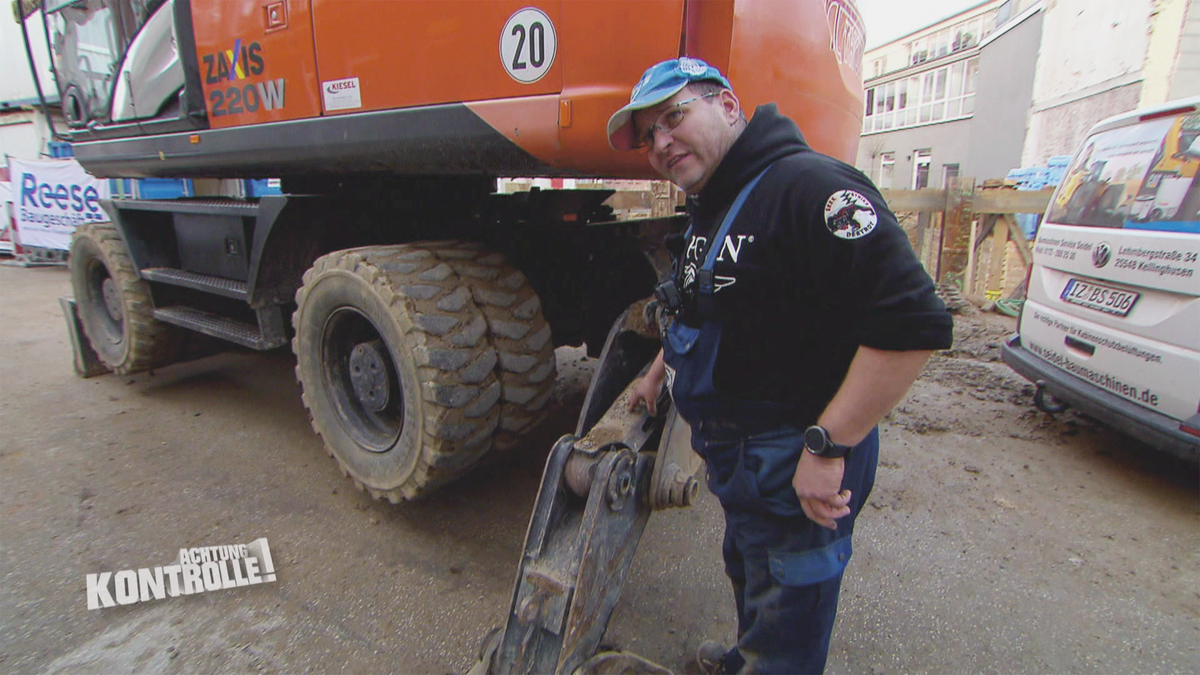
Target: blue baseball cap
x,y
659,83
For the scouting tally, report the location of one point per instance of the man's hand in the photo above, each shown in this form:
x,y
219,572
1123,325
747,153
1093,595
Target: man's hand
x,y
816,482
649,387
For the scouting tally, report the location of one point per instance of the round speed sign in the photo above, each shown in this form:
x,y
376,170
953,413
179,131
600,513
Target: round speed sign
x,y
527,45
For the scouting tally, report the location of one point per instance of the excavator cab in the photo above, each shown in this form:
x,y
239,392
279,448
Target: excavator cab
x,y
90,40
117,65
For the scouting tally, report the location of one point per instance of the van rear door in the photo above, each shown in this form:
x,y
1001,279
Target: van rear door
x,y
1114,296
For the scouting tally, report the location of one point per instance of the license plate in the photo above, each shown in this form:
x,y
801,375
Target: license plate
x,y
1099,298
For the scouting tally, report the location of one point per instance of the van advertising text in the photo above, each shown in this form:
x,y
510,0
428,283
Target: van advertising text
x,y
1144,396
1097,340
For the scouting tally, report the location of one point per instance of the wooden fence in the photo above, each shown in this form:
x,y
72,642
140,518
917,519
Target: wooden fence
x,y
969,235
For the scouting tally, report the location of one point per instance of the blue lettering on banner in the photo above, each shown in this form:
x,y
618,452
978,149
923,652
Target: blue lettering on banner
x,y
44,195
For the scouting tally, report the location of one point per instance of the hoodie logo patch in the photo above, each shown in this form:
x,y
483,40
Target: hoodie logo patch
x,y
849,215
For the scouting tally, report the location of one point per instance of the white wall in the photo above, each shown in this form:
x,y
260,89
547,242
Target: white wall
x,y
16,84
1185,81
1090,43
23,134
1166,29
1090,66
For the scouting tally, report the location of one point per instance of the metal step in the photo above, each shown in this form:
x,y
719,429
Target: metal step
x,y
230,288
210,206
239,332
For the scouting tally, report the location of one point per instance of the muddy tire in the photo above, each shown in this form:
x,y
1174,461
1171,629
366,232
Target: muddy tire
x,y
517,330
115,306
397,366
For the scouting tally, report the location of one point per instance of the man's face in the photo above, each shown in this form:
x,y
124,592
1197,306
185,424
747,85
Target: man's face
x,y
689,154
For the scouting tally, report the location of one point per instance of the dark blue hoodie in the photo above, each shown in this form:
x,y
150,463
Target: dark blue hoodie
x,y
814,266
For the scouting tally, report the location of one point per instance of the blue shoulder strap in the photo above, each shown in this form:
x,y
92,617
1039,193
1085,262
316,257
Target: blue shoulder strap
x,y
704,279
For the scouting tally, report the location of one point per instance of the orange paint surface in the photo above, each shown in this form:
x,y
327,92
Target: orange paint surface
x,y
409,53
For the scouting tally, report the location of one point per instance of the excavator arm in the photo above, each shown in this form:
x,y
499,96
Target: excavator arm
x,y
596,495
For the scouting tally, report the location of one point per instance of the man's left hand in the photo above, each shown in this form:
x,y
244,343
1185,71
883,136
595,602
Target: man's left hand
x,y
817,483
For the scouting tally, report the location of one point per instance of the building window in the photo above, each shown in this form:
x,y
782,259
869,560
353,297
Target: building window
x,y
935,95
918,52
941,43
887,170
950,173
968,101
921,159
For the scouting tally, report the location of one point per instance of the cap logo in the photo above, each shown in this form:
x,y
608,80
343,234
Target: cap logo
x,y
692,66
637,88
849,215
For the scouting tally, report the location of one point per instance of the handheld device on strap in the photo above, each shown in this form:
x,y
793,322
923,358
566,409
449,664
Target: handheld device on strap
x,y
669,293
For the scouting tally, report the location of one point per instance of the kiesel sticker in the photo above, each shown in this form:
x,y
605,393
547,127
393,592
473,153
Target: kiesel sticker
x,y
528,44
849,215
341,94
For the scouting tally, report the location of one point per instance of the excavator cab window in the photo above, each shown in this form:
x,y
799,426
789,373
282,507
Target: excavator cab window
x,y
88,39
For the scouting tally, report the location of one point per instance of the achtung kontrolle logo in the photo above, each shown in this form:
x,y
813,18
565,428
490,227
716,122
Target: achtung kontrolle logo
x,y
196,570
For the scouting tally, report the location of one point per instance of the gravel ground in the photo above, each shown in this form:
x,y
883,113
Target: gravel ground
x,y
998,539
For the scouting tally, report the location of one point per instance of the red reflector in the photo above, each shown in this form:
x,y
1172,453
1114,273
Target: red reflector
x,y
1168,113
1192,424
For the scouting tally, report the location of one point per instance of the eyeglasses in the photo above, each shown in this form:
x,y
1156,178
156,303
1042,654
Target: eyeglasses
x,y
667,120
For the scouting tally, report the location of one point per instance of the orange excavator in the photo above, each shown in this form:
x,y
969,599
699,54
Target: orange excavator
x,y
423,306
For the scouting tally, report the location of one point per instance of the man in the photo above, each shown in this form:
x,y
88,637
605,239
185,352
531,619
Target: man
x,y
800,318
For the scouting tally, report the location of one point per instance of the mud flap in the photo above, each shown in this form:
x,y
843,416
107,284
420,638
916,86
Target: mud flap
x,y
87,364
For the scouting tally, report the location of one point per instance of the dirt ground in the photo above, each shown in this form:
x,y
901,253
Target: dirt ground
x,y
998,539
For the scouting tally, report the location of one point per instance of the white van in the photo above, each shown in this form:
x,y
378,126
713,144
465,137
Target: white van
x,y
1111,322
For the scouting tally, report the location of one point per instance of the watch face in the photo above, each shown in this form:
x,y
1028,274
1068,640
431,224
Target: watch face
x,y
815,440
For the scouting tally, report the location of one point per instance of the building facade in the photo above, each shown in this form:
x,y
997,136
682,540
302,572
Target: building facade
x,y
928,93
1013,83
1108,57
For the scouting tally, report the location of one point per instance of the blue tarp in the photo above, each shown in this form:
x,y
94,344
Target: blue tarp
x,y
1037,178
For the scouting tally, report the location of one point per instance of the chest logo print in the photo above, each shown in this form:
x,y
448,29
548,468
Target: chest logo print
x,y
689,274
849,215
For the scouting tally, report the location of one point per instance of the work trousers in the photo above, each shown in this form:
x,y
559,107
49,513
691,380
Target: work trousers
x,y
786,570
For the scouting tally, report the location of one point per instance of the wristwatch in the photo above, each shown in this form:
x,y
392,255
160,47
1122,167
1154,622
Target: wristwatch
x,y
817,441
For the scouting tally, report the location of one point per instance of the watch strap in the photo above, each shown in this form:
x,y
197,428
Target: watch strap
x,y
827,448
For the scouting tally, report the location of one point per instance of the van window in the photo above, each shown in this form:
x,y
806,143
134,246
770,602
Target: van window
x,y
1142,176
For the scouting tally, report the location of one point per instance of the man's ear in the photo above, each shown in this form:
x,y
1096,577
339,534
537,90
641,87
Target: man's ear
x,y
731,106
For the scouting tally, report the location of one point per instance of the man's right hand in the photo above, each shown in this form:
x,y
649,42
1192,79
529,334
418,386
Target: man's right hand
x,y
649,387
648,391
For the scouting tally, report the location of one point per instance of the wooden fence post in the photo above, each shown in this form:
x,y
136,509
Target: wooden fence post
x,y
995,281
969,277
923,249
956,228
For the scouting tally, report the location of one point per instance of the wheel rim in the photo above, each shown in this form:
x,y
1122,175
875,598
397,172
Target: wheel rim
x,y
362,380
104,300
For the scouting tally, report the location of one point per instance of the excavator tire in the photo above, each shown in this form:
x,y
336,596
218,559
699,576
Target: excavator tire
x,y
397,364
517,329
114,305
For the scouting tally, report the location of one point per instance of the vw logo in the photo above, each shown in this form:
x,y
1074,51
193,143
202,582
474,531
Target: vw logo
x,y
1101,254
